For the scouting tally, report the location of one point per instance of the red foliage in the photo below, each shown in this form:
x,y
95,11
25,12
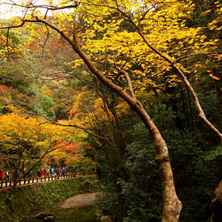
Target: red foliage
x,y
72,148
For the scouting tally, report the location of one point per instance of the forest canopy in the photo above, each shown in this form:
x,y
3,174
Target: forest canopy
x,y
134,86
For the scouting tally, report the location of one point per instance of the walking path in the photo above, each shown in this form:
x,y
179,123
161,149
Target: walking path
x,y
81,200
37,180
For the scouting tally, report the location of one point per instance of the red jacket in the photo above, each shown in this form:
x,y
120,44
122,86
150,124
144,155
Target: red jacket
x,y
2,174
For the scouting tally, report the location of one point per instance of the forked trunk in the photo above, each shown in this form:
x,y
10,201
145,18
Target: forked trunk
x,y
171,204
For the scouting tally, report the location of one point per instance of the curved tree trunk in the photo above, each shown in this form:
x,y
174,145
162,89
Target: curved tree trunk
x,y
171,203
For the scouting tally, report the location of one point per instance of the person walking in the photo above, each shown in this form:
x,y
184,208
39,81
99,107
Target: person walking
x,y
2,174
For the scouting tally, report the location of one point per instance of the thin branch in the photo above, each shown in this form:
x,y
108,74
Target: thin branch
x,y
15,26
144,15
46,13
26,12
129,82
46,39
47,7
88,131
49,150
7,42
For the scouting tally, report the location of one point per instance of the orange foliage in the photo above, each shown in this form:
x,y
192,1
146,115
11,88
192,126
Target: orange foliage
x,y
4,90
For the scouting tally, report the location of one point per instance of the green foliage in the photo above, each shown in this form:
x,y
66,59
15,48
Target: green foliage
x,y
44,107
213,154
24,202
79,215
84,166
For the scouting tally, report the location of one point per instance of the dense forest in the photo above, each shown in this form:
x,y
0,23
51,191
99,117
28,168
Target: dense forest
x,y
127,90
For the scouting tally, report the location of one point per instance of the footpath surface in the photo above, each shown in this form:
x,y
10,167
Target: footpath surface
x,y
81,200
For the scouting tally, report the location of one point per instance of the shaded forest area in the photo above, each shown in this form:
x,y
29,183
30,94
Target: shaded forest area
x,y
129,90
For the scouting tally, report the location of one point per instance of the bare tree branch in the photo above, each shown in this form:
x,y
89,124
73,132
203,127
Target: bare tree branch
x,y
49,150
126,74
7,41
46,39
42,6
88,131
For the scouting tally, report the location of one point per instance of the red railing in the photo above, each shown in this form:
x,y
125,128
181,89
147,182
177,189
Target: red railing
x,y
33,180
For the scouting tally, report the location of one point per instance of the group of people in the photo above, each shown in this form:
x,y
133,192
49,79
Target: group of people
x,y
2,174
52,171
43,172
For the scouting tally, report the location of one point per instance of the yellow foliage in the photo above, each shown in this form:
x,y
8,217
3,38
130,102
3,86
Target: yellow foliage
x,y
36,131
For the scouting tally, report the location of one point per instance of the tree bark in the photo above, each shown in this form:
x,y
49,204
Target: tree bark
x,y
171,204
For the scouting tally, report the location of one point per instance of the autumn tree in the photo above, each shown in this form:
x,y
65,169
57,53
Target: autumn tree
x,y
172,205
27,141
140,24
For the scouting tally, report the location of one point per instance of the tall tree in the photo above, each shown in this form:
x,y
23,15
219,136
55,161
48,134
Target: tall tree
x,y
128,14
